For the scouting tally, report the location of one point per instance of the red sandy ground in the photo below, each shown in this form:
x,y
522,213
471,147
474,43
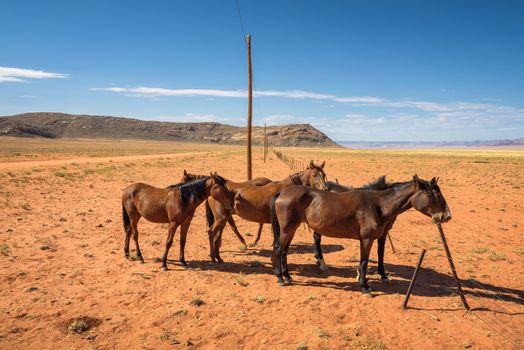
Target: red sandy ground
x,y
61,259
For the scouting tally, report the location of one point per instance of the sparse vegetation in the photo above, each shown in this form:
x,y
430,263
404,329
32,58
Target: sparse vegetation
x,y
260,299
169,337
196,302
4,249
242,282
480,250
494,256
78,326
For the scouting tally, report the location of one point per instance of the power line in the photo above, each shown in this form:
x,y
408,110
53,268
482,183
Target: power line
x,y
241,22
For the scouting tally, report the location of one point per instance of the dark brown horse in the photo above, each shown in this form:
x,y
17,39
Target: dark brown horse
x,y
259,181
252,203
175,205
365,215
378,184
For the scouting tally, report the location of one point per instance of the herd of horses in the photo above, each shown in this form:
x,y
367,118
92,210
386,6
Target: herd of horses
x,y
366,213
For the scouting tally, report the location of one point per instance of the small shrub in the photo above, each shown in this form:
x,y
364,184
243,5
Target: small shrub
x,y
259,299
25,206
494,256
179,313
480,250
197,302
78,326
242,282
4,249
322,333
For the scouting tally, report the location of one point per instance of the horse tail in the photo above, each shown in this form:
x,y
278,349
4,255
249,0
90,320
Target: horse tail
x,y
125,219
210,217
276,228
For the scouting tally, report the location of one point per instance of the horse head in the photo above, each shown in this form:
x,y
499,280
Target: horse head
x,y
218,190
314,176
429,200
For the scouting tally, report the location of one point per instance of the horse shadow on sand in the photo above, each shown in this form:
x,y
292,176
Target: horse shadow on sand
x,y
429,283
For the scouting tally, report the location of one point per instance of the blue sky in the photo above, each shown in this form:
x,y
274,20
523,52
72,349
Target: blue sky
x,y
366,70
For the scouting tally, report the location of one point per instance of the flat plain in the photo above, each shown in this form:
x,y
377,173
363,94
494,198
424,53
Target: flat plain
x,y
66,284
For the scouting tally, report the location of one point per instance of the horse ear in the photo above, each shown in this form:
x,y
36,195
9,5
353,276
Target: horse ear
x,y
433,181
311,165
185,172
421,185
322,165
211,175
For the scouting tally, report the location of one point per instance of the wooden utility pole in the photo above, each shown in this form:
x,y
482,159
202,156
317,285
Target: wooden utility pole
x,y
249,110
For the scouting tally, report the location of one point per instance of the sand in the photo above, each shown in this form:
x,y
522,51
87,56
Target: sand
x,y
61,255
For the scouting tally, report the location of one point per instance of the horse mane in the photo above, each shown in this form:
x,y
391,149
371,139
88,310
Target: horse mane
x,y
191,177
191,188
380,184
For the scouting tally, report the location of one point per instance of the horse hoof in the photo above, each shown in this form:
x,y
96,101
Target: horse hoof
x,y
183,262
220,261
141,260
281,282
164,268
385,280
254,244
288,281
367,295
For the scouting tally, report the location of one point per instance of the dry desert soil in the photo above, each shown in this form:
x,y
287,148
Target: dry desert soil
x,y
65,283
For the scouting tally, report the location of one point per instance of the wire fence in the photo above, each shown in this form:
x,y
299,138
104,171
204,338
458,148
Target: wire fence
x,y
295,164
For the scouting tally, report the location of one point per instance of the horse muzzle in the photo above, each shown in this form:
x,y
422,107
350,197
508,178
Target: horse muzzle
x,y
441,217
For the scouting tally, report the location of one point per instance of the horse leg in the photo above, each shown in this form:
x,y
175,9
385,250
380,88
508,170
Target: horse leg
x,y
380,249
276,258
134,227
365,248
216,228
183,235
260,226
217,242
318,252
285,272
231,223
169,241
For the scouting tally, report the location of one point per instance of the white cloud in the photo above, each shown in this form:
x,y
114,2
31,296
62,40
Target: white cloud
x,y
144,91
402,119
19,75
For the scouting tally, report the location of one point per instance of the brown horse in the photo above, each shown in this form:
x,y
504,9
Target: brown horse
x,y
259,181
365,215
252,203
175,205
378,184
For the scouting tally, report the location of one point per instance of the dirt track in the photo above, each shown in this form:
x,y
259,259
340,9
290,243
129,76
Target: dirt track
x,y
61,253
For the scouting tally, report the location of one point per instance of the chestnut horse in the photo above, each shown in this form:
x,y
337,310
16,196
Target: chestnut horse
x,y
175,205
365,215
259,181
252,203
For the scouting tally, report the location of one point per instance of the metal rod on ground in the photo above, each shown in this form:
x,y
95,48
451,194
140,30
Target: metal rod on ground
x,y
249,110
412,283
452,266
391,242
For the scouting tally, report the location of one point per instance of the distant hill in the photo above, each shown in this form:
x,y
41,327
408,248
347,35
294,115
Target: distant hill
x,y
60,125
429,144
